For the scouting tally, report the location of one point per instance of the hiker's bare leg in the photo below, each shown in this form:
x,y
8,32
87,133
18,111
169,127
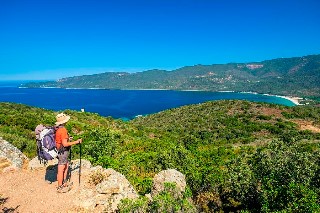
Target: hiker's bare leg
x,y
60,174
66,171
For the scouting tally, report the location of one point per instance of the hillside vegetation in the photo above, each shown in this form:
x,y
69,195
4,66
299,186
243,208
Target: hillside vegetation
x,y
236,155
299,76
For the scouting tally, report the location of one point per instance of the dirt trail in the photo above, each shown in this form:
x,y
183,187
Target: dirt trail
x,y
32,191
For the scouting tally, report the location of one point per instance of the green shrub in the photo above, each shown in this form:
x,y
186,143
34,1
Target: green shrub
x,y
239,189
286,175
139,205
168,200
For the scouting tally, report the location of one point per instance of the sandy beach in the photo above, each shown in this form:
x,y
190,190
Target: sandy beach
x,y
295,100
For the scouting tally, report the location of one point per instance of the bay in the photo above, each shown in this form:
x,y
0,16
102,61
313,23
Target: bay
x,y
123,104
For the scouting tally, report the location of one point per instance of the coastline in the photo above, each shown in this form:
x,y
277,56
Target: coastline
x,y
295,100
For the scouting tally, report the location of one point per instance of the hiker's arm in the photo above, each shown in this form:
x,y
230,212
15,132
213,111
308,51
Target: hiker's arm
x,y
65,142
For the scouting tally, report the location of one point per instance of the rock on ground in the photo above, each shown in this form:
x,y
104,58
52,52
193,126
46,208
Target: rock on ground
x,y
171,176
11,158
108,193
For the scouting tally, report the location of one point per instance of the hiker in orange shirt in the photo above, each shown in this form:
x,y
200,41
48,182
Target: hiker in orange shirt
x,y
63,145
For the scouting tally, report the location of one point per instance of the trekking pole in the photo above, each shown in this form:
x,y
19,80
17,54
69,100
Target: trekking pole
x,y
70,165
80,165
70,160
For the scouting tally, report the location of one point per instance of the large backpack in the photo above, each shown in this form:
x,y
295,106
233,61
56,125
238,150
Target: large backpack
x,y
46,143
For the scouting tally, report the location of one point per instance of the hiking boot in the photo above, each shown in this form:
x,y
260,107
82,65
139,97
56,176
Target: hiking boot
x,y
67,184
63,189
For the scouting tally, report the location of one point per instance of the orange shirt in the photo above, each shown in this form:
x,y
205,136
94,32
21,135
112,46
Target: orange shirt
x,y
61,134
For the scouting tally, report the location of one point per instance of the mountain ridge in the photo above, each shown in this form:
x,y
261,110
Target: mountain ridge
x,y
297,76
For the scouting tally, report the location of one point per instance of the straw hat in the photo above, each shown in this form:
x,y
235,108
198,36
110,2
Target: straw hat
x,y
62,118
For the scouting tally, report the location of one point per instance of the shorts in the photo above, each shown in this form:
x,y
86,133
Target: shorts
x,y
63,158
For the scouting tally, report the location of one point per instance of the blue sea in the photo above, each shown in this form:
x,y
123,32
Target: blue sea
x,y
123,104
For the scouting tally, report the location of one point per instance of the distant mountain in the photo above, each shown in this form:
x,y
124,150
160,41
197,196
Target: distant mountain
x,y
298,76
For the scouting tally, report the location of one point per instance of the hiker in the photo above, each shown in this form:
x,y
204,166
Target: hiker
x,y
63,145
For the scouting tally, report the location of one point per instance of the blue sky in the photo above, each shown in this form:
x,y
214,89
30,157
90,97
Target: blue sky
x,y
58,38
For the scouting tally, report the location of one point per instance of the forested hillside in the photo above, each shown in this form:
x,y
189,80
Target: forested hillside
x,y
236,155
299,76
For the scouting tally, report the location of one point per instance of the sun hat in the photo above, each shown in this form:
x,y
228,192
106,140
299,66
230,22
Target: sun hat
x,y
62,118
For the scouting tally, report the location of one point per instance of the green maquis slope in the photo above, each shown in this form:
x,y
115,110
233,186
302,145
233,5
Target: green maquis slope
x,y
236,155
242,155
228,123
298,76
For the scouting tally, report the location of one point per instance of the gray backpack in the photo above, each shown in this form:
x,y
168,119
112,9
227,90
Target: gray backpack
x,y
46,143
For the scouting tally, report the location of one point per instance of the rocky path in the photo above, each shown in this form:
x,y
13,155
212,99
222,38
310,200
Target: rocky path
x,y
35,191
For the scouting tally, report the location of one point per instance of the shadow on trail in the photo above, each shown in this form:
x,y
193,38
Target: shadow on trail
x,y
51,173
9,210
3,200
6,209
52,170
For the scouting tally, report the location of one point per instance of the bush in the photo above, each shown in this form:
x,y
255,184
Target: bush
x,y
169,200
239,189
139,205
286,174
100,143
